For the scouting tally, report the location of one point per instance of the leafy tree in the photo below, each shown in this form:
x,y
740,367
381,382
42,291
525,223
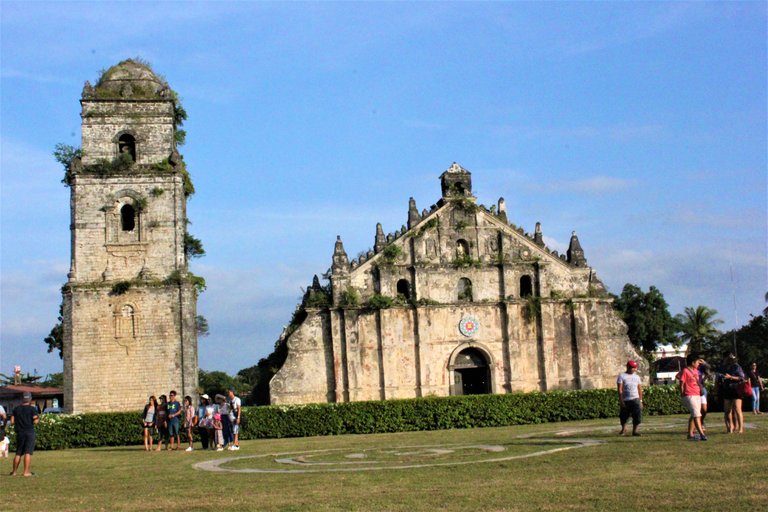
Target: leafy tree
x,y
258,376
217,382
54,380
697,326
7,380
55,339
647,317
64,154
193,247
202,326
748,341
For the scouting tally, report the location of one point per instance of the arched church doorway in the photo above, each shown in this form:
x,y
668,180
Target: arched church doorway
x,y
471,373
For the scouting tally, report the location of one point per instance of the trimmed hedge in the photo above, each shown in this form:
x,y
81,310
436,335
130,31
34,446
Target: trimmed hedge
x,y
446,412
124,428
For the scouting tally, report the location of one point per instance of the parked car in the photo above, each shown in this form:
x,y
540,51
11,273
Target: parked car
x,y
53,410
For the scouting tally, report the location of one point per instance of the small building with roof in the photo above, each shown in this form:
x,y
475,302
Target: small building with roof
x,y
42,396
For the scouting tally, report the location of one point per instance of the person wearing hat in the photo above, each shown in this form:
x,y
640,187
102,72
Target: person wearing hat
x,y
630,398
24,418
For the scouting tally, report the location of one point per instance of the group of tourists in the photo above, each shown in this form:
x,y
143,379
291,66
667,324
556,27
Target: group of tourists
x,y
217,422
732,384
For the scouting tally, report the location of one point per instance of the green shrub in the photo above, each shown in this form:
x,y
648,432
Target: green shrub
x,y
120,288
378,301
350,297
391,253
466,261
432,413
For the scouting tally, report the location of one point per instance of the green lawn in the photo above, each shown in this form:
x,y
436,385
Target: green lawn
x,y
490,469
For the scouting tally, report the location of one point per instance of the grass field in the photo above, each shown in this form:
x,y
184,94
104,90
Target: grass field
x,y
553,467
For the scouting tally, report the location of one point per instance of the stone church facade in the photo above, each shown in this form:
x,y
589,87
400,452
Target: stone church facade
x,y
129,305
458,302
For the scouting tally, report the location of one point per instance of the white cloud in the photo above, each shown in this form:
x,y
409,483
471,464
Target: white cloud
x,y
556,245
719,219
619,132
710,274
16,74
627,28
593,185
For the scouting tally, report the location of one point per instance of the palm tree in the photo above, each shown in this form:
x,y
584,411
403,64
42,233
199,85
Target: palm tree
x,y
698,326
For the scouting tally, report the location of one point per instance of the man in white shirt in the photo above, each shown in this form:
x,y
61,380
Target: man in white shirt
x,y
630,398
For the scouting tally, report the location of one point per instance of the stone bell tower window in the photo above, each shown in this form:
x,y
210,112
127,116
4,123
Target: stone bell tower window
x,y
125,322
127,144
127,218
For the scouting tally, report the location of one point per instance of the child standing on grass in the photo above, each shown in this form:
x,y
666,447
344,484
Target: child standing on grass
x,y
189,420
217,427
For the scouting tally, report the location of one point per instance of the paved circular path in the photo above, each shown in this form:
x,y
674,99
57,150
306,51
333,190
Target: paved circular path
x,y
536,444
341,459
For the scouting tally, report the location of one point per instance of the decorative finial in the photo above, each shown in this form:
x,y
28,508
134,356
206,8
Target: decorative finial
x,y
380,240
502,209
538,237
413,213
340,261
575,252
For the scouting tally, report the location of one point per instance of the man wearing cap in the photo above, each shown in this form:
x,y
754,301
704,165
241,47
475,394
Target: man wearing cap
x,y
24,418
630,398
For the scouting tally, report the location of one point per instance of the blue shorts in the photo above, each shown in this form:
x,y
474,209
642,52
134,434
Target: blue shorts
x,y
173,426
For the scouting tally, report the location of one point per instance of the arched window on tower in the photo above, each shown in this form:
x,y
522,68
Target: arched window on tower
x,y
127,144
127,217
526,286
125,326
465,290
404,289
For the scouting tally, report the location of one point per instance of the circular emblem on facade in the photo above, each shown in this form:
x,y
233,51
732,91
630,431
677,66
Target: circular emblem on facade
x,y
468,326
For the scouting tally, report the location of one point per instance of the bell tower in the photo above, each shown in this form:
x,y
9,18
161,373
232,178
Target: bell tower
x,y
130,302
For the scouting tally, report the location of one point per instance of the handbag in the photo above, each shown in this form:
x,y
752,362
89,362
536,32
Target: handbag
x,y
745,390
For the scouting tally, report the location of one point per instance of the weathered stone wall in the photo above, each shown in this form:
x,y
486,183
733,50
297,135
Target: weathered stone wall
x,y
389,355
113,362
149,121
102,250
129,315
544,319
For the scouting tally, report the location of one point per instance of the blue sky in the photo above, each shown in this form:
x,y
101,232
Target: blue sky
x,y
642,126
